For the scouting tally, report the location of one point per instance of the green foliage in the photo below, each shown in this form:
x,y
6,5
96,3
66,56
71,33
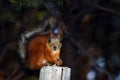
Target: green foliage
x,y
7,16
19,4
26,3
60,2
41,14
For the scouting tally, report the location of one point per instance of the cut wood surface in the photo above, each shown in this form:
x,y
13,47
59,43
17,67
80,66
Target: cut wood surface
x,y
54,73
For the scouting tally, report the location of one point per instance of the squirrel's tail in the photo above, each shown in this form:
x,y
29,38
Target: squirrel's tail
x,y
24,38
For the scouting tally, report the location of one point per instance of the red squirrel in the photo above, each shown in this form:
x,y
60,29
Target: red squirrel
x,y
41,49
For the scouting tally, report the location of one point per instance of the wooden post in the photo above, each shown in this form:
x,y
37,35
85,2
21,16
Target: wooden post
x,y
54,73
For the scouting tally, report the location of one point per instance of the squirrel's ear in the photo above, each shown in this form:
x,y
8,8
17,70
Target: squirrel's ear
x,y
60,29
60,33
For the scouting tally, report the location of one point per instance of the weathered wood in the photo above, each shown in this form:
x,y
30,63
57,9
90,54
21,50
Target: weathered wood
x,y
54,73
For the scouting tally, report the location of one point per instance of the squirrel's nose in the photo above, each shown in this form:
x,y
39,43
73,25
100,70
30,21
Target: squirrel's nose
x,y
54,47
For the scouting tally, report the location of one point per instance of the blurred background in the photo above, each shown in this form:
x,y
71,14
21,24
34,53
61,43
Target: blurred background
x,y
91,41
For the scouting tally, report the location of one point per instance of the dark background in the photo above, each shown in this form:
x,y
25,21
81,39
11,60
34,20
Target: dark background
x,y
91,41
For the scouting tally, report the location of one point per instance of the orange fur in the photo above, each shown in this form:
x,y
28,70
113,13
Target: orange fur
x,y
40,54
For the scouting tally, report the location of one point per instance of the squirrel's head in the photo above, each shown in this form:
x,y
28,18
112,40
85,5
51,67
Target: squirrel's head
x,y
55,37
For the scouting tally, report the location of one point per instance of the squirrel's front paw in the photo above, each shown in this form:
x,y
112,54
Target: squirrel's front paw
x,y
58,62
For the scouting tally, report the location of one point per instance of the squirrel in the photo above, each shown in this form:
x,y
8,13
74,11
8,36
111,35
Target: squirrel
x,y
37,49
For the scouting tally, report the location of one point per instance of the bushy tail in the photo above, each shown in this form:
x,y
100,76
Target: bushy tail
x,y
27,35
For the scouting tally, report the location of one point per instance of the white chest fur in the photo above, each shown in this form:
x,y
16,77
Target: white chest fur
x,y
54,52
